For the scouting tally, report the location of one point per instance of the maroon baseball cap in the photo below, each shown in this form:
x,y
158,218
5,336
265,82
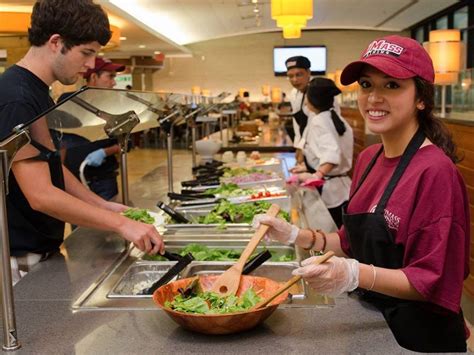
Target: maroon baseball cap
x,y
103,64
397,56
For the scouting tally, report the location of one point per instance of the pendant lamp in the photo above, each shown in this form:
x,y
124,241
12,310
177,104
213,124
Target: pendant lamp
x,y
292,15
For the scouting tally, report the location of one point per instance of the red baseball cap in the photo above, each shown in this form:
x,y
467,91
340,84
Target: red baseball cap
x,y
103,64
397,56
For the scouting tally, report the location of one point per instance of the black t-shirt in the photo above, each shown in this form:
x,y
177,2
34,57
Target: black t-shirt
x,y
24,96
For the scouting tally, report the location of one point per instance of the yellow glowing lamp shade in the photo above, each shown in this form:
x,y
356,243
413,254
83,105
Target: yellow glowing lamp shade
x,y
291,32
291,21
196,90
206,92
14,22
445,36
301,8
446,56
241,92
265,90
276,95
446,78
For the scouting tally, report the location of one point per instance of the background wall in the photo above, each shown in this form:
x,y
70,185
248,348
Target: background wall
x,y
246,61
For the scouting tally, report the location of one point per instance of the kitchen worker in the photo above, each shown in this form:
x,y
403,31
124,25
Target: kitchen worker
x,y
299,74
102,166
42,192
328,146
405,238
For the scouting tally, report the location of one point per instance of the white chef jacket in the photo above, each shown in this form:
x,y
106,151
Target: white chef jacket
x,y
297,102
322,144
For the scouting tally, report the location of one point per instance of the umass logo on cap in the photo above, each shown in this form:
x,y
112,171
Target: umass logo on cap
x,y
383,47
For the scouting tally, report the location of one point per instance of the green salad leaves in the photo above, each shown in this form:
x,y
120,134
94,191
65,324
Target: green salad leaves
x,y
201,252
229,190
140,215
227,212
212,303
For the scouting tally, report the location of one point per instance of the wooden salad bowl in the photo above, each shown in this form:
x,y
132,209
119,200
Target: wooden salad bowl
x,y
221,323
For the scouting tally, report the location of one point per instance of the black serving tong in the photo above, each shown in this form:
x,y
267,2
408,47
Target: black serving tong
x,y
178,217
183,261
254,263
189,197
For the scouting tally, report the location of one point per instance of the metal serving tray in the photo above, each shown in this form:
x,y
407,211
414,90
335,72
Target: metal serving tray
x,y
138,277
277,250
200,210
270,182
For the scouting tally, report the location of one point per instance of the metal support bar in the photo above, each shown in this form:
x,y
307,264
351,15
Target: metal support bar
x,y
443,101
169,147
193,144
10,340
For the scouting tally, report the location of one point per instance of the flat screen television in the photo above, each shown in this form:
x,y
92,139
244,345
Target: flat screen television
x,y
316,54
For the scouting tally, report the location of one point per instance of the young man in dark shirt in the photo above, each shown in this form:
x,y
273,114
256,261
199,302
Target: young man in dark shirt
x,y
42,192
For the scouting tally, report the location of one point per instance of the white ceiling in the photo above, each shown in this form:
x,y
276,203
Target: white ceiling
x,y
169,25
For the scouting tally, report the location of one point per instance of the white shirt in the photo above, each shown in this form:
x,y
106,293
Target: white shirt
x,y
322,144
297,102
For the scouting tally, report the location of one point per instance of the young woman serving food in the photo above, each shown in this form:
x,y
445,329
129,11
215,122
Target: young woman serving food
x,y
405,238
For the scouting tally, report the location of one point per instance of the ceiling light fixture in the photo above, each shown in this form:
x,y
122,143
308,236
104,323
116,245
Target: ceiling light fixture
x,y
292,15
163,23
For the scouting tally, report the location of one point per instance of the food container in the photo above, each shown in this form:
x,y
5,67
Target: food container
x,y
279,252
221,323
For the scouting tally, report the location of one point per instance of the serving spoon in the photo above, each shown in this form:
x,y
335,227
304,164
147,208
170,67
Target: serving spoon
x,y
228,282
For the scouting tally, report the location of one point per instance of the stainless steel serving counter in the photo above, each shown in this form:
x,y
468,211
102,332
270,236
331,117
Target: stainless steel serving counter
x,y
47,324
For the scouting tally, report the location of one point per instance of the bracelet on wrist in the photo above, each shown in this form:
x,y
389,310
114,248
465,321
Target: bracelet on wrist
x,y
314,238
374,271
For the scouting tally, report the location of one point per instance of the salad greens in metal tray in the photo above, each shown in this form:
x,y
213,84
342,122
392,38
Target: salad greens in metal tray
x,y
227,212
229,190
201,252
139,214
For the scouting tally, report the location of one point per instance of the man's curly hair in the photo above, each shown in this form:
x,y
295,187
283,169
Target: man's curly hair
x,y
76,21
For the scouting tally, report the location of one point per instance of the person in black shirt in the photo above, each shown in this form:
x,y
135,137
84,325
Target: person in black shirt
x,y
101,169
43,193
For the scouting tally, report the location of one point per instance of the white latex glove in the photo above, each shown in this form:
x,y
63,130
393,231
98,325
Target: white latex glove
x,y
331,278
280,230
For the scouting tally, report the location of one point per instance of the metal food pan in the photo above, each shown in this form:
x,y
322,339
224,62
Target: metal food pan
x,y
280,272
138,277
200,210
270,182
203,228
277,250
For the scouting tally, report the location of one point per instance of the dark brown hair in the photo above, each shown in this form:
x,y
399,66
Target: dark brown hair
x,y
76,21
433,127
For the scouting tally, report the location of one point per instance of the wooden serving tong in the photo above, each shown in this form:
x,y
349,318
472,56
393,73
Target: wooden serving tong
x,y
228,282
291,282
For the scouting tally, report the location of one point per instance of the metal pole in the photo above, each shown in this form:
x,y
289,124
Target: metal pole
x,y
193,143
443,101
124,174
10,340
169,147
221,127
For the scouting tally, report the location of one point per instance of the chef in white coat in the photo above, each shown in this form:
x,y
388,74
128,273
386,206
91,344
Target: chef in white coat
x,y
328,146
299,74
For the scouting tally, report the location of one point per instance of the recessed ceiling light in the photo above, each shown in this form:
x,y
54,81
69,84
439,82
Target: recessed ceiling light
x,y
123,38
141,46
256,10
157,52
